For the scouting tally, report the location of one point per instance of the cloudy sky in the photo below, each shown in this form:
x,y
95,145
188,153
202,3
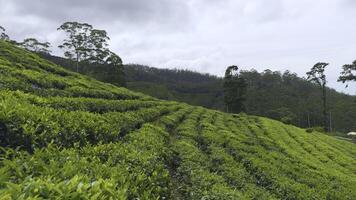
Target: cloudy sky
x,y
204,35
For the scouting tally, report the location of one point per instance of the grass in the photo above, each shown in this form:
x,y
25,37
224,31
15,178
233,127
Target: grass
x,y
67,136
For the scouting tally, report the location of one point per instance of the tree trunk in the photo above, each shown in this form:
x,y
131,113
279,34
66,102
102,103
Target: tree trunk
x,y
330,123
77,63
324,109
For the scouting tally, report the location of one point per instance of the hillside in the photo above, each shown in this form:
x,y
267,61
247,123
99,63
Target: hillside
x,y
281,96
178,85
68,136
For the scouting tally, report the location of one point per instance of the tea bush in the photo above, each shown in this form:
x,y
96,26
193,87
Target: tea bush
x,y
67,136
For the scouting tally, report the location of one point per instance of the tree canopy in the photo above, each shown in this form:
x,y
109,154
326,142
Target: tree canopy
x,y
316,74
33,44
234,90
348,73
84,43
3,35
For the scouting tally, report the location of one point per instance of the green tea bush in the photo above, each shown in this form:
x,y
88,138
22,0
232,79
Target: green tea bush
x,y
31,126
133,169
67,136
315,129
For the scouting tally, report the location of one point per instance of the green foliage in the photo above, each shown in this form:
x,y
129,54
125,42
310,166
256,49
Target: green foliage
x,y
28,72
317,76
234,90
34,45
124,170
315,129
77,47
348,73
30,126
66,136
112,71
267,91
283,114
84,43
175,84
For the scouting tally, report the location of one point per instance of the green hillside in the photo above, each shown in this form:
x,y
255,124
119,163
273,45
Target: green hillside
x,y
273,94
68,136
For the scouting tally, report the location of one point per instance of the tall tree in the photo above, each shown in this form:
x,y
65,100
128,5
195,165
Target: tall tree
x,y
348,73
84,43
33,44
3,35
317,76
234,90
76,46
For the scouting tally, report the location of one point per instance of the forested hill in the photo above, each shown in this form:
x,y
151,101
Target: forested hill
x,y
282,96
179,85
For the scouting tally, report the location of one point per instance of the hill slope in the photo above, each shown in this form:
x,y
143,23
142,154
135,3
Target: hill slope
x,y
68,136
272,94
282,96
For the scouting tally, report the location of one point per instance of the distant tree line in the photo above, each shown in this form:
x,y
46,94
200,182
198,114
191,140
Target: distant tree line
x,y
279,95
288,98
151,74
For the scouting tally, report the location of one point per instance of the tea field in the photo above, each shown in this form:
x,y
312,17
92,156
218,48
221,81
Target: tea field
x,y
68,136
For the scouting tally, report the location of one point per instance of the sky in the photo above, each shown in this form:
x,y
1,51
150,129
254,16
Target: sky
x,y
204,35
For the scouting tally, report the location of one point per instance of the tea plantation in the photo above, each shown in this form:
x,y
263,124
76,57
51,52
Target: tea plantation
x,y
67,136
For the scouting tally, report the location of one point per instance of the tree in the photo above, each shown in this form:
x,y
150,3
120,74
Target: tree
x,y
76,45
98,42
33,44
348,73
317,76
84,43
3,35
116,72
234,90
113,59
282,114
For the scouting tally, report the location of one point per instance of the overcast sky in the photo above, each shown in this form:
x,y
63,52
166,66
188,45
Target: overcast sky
x,y
204,35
